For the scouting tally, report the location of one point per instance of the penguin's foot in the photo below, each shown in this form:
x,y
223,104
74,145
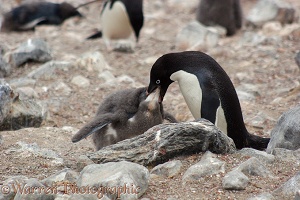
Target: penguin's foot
x,y
124,46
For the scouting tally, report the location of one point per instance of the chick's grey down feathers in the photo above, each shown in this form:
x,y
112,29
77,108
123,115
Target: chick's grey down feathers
x,y
115,112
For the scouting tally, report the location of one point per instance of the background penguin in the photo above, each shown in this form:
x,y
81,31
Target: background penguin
x,y
120,19
27,16
208,92
225,13
123,115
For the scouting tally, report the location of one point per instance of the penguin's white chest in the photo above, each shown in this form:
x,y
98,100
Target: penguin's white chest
x,y
115,22
191,90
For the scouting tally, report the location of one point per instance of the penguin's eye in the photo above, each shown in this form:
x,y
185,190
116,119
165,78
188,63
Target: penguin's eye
x,y
157,82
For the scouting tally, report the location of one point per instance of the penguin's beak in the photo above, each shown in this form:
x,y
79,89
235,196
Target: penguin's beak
x,y
153,87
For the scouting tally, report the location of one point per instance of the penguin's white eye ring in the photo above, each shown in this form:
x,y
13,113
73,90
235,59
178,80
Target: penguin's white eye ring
x,y
157,82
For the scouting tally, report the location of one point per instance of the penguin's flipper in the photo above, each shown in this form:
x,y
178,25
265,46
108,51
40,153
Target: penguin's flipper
x,y
90,128
98,34
30,25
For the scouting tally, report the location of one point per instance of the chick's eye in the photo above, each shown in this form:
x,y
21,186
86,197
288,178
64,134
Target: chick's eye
x,y
157,82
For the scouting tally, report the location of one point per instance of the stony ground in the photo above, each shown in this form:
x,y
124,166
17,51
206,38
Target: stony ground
x,y
271,69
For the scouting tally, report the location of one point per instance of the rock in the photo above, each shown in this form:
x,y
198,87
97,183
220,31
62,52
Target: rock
x,y
271,10
6,95
289,189
235,180
12,183
26,93
194,35
208,165
126,180
260,155
254,167
83,161
286,133
22,82
165,141
34,149
31,50
297,197
47,70
62,197
168,169
270,28
65,175
93,61
106,76
33,190
254,39
287,155
262,196
23,113
80,81
61,89
5,68
297,59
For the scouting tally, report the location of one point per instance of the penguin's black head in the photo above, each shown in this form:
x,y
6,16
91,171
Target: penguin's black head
x,y
159,78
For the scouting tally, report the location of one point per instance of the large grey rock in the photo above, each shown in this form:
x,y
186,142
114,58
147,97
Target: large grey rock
x,y
5,68
168,169
8,192
127,180
22,82
195,34
289,189
254,167
65,175
166,141
33,189
32,50
208,165
287,155
271,10
6,95
47,70
80,81
260,155
23,113
235,180
286,133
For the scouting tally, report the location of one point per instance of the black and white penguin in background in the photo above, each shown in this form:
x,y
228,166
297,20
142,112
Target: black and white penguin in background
x,y
120,20
123,115
225,13
208,92
29,15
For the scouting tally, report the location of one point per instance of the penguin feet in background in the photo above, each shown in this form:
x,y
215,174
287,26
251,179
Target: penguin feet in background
x,y
122,115
120,20
124,46
208,92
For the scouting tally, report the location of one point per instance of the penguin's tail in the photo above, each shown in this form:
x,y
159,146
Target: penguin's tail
x,y
98,34
257,142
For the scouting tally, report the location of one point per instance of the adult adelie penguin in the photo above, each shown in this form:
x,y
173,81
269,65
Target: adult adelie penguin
x,y
123,115
27,16
120,19
208,92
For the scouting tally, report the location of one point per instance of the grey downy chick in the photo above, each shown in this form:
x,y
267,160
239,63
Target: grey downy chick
x,y
122,115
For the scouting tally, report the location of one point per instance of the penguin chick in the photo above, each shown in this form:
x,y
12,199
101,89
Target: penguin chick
x,y
122,115
27,16
120,19
208,92
225,13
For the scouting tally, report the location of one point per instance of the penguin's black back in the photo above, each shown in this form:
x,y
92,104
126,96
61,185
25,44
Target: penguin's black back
x,y
134,10
49,13
216,82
